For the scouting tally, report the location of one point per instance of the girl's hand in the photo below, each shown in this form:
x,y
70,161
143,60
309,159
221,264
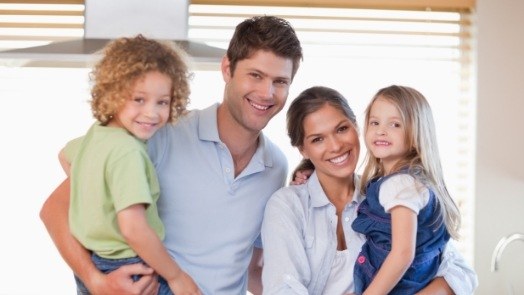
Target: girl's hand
x,y
301,176
183,284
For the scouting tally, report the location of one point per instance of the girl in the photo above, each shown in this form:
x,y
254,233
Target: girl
x,y
408,214
139,85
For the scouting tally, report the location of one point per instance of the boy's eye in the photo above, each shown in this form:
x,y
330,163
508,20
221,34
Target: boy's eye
x,y
164,102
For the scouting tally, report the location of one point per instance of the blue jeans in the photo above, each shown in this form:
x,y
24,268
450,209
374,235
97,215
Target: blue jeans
x,y
108,265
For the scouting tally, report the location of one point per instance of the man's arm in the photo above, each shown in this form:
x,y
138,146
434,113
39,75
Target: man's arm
x,y
54,214
254,284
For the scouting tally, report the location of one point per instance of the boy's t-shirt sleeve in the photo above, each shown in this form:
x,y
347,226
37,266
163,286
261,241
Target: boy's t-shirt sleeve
x,y
71,148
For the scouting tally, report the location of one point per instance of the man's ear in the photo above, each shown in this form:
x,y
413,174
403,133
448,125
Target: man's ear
x,y
226,69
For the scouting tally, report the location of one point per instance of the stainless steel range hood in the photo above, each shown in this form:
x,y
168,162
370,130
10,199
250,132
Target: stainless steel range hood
x,y
107,20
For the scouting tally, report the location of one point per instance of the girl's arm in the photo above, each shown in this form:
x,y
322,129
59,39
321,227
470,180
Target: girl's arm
x,y
404,234
146,243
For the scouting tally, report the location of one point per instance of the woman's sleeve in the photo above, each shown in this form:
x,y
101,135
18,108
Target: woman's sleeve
x,y
286,268
456,271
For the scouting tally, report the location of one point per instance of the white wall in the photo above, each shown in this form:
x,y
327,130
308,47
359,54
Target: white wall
x,y
500,143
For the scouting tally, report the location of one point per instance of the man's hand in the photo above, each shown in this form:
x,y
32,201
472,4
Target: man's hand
x,y
120,281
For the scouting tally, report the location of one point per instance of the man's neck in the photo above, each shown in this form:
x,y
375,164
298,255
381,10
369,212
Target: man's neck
x,y
242,143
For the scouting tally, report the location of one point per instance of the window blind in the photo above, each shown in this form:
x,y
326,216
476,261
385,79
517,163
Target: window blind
x,y
424,40
357,40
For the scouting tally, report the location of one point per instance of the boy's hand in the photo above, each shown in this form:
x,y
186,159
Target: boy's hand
x,y
183,284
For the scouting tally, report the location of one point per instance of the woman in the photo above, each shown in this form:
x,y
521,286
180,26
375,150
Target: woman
x,y
309,245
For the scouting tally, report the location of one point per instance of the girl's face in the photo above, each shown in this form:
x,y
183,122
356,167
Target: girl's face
x,y
331,143
386,134
148,108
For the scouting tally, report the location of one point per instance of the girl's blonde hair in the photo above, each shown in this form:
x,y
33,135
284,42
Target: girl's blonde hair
x,y
422,159
124,61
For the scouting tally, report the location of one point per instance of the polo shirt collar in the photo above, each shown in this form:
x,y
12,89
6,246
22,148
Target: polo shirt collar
x,y
208,130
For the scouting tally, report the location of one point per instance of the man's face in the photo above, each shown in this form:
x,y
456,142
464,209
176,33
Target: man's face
x,y
258,88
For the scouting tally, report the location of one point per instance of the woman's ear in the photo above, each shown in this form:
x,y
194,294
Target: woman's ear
x,y
303,152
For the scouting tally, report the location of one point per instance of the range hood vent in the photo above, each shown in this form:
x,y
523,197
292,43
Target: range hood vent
x,y
107,20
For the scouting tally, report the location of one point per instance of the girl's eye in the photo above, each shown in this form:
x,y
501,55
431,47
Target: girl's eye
x,y
373,123
395,124
138,99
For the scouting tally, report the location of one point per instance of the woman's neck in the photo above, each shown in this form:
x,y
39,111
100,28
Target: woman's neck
x,y
339,191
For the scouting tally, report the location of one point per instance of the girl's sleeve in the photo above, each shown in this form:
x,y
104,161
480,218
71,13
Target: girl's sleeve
x,y
403,190
286,269
457,273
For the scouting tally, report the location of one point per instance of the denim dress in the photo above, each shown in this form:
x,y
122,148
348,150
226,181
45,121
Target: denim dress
x,y
375,223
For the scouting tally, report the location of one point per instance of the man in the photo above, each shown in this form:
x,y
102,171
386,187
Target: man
x,y
216,171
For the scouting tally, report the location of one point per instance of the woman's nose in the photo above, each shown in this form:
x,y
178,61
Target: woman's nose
x,y
334,144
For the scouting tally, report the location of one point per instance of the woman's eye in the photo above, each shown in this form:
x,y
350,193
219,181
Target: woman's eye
x,y
343,128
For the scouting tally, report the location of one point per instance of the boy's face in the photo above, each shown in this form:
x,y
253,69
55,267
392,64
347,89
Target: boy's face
x,y
148,108
258,88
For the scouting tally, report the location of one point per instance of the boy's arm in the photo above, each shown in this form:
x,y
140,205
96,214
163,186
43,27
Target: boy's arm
x,y
404,234
146,243
54,214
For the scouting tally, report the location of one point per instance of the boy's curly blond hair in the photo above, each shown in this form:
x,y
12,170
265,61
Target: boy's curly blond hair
x,y
124,61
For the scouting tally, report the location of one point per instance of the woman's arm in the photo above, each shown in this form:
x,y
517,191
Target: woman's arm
x,y
404,235
454,275
146,243
54,214
286,268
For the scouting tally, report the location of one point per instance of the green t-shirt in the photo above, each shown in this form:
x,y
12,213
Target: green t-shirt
x,y
110,171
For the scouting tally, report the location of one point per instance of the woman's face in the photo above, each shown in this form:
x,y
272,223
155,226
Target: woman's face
x,y
331,143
